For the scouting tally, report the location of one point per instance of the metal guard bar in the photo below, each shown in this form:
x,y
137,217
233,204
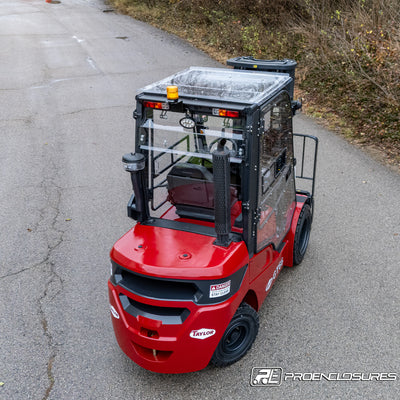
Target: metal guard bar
x,y
301,176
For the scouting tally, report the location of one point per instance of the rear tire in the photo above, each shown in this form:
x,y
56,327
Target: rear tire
x,y
302,235
238,337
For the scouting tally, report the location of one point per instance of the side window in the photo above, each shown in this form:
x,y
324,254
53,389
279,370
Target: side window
x,y
276,181
276,142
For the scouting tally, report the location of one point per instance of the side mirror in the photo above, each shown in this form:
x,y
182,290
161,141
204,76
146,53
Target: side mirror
x,y
296,105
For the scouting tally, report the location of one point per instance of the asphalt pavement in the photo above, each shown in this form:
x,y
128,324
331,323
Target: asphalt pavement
x,y
69,72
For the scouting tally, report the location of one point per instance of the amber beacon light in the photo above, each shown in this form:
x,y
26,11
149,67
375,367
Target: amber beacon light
x,y
172,93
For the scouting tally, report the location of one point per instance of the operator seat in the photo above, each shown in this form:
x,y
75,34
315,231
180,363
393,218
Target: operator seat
x,y
191,191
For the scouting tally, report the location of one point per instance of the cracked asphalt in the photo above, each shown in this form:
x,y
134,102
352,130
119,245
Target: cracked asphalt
x,y
69,73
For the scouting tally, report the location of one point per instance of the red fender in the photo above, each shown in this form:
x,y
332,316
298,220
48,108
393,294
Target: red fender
x,y
288,251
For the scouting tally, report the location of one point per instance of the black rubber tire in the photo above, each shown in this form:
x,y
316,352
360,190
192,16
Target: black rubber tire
x,y
238,337
302,235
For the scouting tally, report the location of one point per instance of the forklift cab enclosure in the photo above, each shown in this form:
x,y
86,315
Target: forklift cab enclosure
x,y
218,214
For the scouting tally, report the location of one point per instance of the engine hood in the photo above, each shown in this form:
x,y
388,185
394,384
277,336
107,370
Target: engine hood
x,y
159,251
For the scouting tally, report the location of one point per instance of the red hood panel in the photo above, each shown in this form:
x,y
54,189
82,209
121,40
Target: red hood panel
x,y
172,253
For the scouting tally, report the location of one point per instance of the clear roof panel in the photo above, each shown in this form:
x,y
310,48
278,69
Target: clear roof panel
x,y
222,84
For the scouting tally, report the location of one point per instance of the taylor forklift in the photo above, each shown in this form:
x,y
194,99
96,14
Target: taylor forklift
x,y
218,213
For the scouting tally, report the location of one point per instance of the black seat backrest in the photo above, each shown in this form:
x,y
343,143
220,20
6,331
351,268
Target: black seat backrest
x,y
191,191
190,184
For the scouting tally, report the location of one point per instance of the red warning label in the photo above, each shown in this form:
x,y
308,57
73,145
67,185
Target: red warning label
x,y
220,289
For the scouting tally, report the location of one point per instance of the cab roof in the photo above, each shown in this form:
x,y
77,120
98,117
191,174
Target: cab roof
x,y
222,84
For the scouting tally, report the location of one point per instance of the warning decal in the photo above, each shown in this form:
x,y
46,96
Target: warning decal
x,y
220,289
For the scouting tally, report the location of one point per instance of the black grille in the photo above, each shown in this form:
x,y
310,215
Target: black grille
x,y
197,291
168,315
156,288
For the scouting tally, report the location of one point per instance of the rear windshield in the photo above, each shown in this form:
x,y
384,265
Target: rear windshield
x,y
179,144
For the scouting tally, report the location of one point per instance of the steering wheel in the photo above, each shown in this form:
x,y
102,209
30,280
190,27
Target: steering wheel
x,y
232,149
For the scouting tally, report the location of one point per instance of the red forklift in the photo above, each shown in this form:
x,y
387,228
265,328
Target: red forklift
x,y
218,213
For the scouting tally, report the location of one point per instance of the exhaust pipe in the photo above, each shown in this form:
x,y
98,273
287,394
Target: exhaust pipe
x,y
134,164
222,197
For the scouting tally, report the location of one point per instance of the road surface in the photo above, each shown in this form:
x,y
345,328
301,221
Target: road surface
x,y
69,73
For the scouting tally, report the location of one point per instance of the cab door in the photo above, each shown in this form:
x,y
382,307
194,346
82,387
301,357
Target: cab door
x,y
276,186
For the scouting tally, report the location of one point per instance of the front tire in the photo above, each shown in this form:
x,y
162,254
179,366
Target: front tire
x,y
238,337
302,235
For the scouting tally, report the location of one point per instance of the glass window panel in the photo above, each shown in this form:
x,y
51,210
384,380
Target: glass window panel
x,y
277,193
169,145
